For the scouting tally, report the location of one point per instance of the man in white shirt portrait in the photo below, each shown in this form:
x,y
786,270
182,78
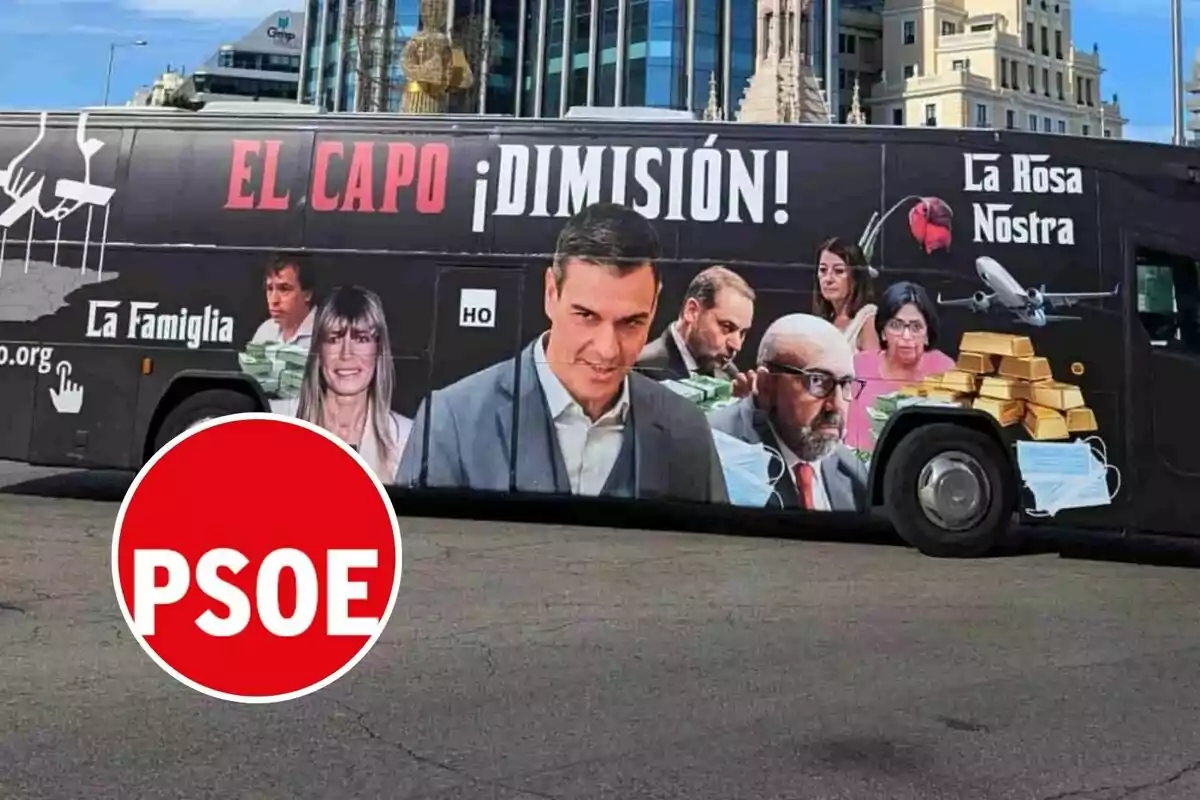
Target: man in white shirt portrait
x,y
288,286
708,332
803,388
568,415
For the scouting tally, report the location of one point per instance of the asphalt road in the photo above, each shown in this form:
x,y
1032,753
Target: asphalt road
x,y
547,662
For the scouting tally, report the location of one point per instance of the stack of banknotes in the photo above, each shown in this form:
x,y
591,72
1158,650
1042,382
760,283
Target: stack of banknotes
x,y
888,404
706,392
278,368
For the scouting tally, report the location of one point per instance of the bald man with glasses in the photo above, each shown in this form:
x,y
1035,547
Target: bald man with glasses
x,y
801,397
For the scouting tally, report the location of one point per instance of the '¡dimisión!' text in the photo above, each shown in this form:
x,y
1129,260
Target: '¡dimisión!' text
x,y
675,184
995,222
143,323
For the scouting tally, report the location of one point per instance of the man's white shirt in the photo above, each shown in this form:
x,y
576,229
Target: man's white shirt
x,y
270,332
589,449
689,360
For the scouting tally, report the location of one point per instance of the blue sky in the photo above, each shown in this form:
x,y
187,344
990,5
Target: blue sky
x,y
55,52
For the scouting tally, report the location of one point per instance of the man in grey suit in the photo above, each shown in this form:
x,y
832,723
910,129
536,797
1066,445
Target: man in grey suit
x,y
567,415
802,388
708,333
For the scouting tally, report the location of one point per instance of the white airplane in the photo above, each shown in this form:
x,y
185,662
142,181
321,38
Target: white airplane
x,y
1028,305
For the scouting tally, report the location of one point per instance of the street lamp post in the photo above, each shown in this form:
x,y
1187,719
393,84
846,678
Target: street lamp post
x,y
1177,130
112,51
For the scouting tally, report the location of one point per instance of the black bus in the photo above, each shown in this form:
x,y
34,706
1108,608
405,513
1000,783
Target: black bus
x,y
959,329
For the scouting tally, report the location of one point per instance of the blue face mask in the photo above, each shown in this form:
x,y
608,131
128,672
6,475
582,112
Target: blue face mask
x,y
1066,475
1056,460
746,467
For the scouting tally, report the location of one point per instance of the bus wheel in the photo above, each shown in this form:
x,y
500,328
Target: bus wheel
x,y
949,491
201,407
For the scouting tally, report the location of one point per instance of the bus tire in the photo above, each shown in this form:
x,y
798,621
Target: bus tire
x,y
963,461
201,407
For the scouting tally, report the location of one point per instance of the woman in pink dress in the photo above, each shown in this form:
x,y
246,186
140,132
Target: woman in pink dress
x,y
907,325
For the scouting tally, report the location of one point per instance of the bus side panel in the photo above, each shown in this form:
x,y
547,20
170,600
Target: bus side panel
x,y
777,199
82,410
214,188
1150,235
403,192
1030,213
477,437
55,239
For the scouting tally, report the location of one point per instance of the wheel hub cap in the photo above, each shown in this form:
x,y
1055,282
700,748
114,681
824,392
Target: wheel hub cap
x,y
953,491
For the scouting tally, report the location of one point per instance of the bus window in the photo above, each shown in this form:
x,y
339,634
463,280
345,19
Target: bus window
x,y
1168,298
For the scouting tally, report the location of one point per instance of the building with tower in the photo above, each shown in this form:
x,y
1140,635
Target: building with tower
x,y
989,64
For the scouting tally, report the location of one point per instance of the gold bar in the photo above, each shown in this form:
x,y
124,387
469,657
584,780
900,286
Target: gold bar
x,y
1000,388
1081,420
1053,394
1045,424
978,363
959,381
1026,368
945,395
1006,412
996,344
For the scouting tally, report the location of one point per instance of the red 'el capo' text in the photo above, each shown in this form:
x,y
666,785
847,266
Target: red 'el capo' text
x,y
416,170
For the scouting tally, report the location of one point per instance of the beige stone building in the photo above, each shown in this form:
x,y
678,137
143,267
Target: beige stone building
x,y
989,64
946,63
859,53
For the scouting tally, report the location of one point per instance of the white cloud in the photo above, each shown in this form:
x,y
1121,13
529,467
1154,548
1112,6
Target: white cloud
x,y
249,10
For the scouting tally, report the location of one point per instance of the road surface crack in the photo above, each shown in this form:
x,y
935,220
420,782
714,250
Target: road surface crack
x,y
1128,790
361,722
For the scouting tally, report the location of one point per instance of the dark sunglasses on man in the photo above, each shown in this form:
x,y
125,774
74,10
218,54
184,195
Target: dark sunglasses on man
x,y
818,382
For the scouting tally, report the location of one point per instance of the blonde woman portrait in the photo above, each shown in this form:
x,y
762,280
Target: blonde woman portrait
x,y
843,293
349,379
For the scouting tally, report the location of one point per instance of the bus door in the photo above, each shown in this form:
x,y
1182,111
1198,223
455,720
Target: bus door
x,y
1164,380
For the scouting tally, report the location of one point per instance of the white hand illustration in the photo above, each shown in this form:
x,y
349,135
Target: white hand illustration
x,y
24,185
73,194
68,399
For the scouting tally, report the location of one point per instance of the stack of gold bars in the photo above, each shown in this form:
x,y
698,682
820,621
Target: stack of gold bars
x,y
1000,374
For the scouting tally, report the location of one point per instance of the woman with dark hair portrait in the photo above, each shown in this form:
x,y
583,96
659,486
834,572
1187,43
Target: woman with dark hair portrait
x,y
842,292
349,379
907,326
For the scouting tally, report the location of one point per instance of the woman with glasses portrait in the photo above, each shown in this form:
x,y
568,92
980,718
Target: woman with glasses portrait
x,y
907,326
349,379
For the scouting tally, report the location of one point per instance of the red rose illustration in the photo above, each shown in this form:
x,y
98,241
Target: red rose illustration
x,y
930,221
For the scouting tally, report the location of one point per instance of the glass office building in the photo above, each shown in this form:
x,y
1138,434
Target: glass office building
x,y
658,53
550,55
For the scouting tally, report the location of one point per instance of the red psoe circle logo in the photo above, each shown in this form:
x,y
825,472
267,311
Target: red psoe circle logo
x,y
256,558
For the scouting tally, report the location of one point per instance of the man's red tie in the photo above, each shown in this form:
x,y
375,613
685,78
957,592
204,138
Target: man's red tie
x,y
804,479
